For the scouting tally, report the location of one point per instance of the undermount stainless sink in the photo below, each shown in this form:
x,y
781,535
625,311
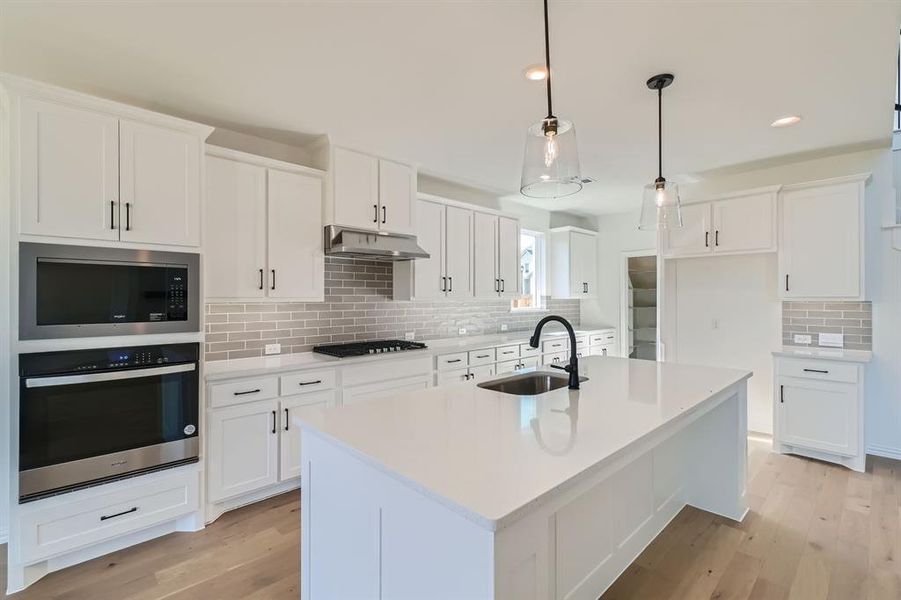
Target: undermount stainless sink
x,y
528,384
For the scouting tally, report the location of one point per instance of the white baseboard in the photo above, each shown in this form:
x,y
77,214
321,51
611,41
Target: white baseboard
x,y
884,451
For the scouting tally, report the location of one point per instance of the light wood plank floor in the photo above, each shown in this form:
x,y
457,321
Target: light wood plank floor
x,y
815,531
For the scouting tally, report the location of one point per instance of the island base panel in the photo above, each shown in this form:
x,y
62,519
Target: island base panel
x,y
367,535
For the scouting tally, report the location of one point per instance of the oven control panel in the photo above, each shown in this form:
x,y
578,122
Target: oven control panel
x,y
104,359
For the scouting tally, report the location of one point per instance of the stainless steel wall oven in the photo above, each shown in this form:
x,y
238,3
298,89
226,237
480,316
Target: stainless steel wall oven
x,y
89,416
78,291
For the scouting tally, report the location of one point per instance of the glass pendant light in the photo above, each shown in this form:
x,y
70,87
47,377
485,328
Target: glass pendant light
x,y
551,165
661,207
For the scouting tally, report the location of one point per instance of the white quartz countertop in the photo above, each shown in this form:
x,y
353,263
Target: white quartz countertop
x,y
837,354
278,363
492,456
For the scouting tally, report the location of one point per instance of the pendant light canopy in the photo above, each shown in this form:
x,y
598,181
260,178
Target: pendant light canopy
x,y
551,164
661,207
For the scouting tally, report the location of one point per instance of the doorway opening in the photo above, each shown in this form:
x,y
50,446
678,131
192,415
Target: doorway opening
x,y
641,306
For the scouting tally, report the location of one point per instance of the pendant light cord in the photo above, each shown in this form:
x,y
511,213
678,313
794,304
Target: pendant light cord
x,y
547,62
660,132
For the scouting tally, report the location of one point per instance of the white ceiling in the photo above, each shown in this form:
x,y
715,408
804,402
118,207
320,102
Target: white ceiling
x,y
439,83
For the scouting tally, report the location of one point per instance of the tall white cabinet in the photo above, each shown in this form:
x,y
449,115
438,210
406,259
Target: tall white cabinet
x,y
263,228
573,260
92,169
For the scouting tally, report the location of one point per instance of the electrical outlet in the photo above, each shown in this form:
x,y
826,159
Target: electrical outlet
x,y
801,338
503,327
410,336
462,331
273,349
832,340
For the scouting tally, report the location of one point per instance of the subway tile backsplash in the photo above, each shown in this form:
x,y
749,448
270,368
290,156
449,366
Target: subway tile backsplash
x,y
852,319
358,306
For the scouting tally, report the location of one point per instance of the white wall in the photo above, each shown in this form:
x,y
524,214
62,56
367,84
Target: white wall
x,y
883,268
727,314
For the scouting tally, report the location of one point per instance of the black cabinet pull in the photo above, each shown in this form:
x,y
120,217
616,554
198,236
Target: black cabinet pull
x,y
716,237
503,286
824,372
375,208
483,355
384,213
261,278
112,214
273,421
128,216
456,360
450,281
124,512
286,419
497,285
443,284
781,394
273,279
256,391
309,382
706,239
786,282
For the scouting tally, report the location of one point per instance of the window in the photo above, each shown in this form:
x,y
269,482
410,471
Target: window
x,y
531,266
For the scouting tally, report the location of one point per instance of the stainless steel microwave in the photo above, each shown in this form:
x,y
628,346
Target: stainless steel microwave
x,y
81,291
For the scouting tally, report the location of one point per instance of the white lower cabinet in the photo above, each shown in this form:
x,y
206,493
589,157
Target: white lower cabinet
x,y
819,410
383,389
243,449
289,437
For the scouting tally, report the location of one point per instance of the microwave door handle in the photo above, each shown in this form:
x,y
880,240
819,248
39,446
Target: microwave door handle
x,y
37,382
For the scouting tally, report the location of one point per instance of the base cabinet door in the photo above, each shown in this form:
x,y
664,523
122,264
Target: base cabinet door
x,y
243,449
69,165
820,415
290,464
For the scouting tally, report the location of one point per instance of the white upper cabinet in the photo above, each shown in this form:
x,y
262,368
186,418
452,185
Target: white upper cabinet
x,y
368,192
745,224
486,281
821,251
295,258
263,228
159,182
235,232
355,189
397,189
69,171
740,223
93,169
573,261
693,238
508,256
445,232
458,252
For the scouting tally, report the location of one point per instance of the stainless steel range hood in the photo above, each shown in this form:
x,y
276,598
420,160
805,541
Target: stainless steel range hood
x,y
374,245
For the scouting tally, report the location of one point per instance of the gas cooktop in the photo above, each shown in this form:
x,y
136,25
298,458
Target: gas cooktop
x,y
365,348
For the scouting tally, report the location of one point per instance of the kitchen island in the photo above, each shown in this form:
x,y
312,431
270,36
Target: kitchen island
x,y
463,492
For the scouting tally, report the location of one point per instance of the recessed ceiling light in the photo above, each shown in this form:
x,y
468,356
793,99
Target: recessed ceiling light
x,y
535,73
786,121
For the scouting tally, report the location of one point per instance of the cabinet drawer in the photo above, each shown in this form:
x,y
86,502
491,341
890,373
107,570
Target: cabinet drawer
x,y
481,357
507,352
307,381
597,339
582,342
452,361
555,358
527,350
66,523
818,369
558,345
243,390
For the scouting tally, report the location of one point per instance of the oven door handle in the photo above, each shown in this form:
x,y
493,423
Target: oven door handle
x,y
37,382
